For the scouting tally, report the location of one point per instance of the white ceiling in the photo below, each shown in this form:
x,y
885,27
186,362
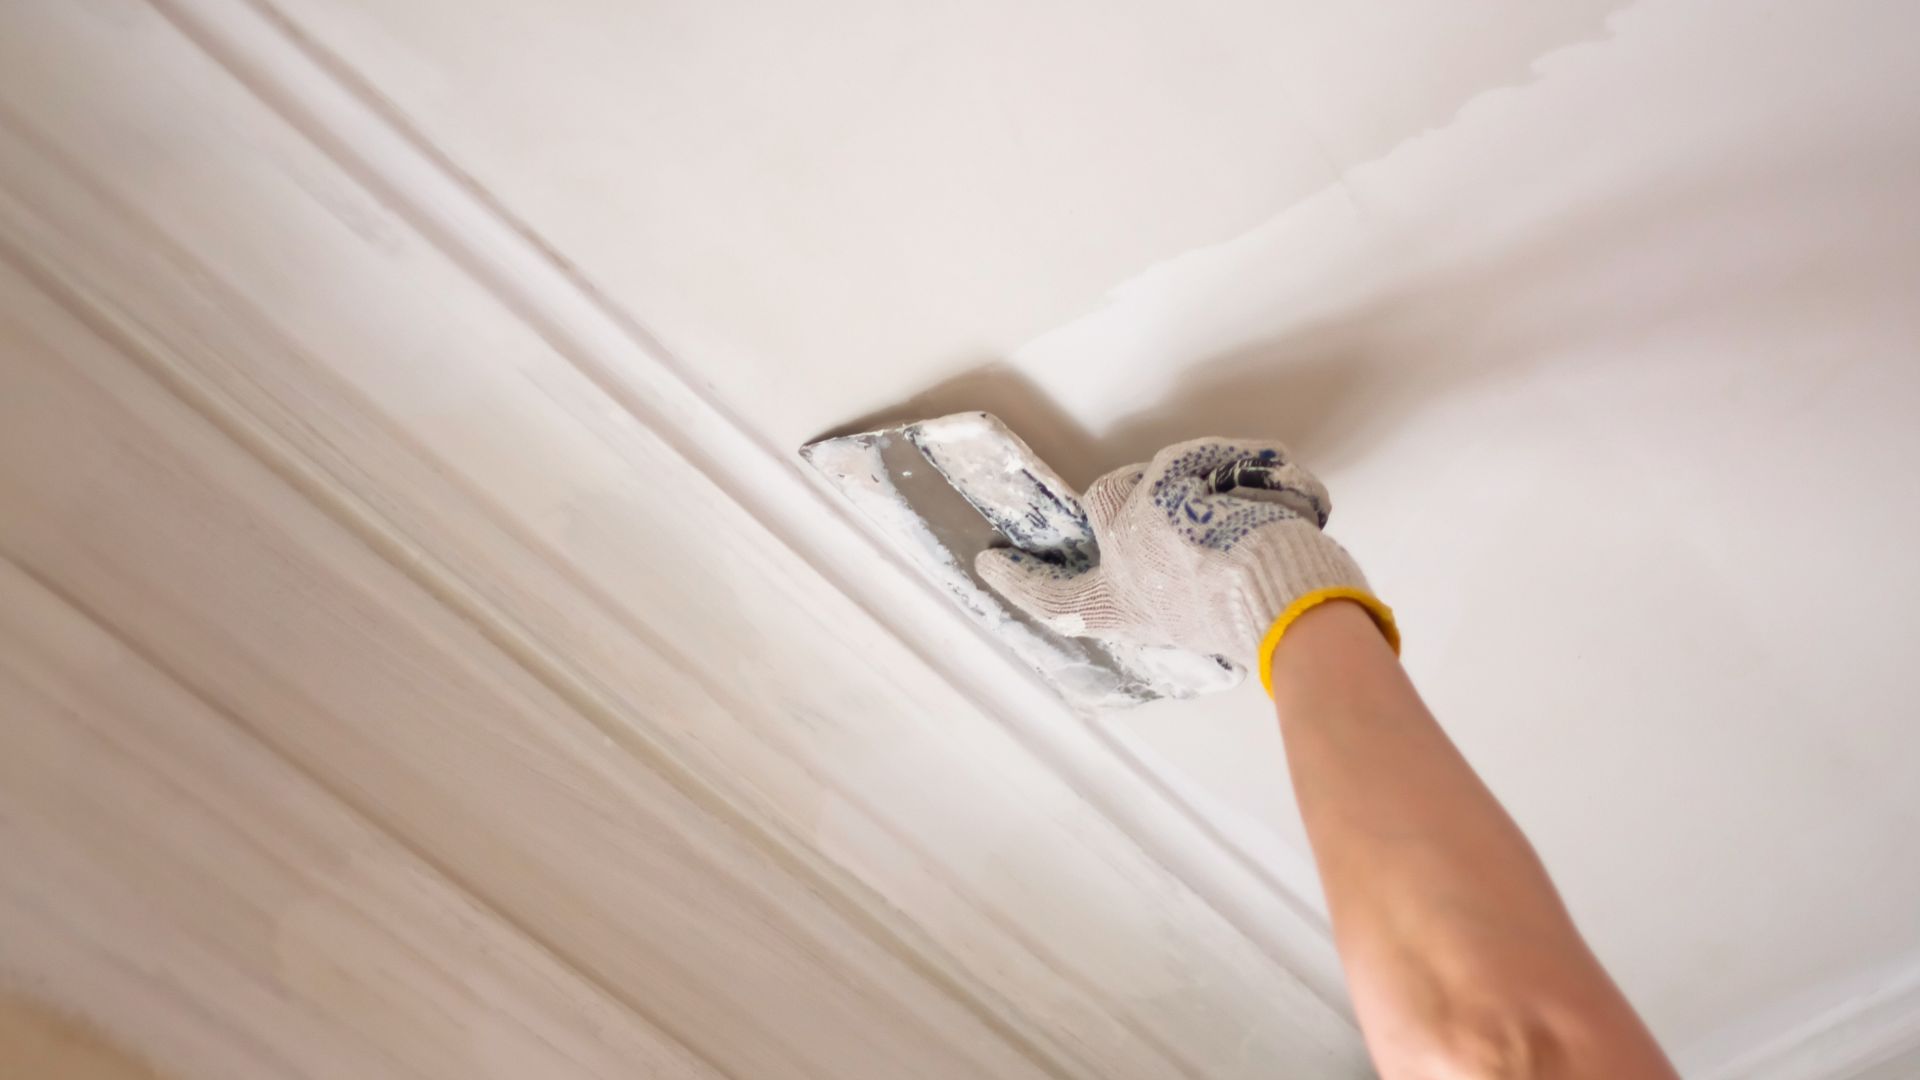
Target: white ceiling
x,y
1601,324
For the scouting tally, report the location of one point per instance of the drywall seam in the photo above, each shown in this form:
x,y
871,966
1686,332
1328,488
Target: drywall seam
x,y
364,135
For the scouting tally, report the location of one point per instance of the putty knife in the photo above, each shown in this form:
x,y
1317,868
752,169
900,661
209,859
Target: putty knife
x,y
941,491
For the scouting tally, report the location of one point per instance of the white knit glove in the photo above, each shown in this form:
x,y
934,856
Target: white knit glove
x,y
1214,546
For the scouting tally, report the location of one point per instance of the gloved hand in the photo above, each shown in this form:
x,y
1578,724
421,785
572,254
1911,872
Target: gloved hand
x,y
1214,546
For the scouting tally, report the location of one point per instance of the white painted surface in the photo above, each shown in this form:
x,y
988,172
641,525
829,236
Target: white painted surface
x,y
1619,429
1865,1024
1602,329
297,429
822,209
1903,1067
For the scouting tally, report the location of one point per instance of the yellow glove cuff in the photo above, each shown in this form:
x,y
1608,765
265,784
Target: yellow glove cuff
x,y
1382,617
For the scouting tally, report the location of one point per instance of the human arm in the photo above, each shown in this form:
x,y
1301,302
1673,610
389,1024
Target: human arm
x,y
1462,960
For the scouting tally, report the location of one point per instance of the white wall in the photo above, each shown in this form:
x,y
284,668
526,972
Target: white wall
x,y
1600,323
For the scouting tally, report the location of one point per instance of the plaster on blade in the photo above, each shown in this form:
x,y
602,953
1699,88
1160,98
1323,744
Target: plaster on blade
x,y
943,490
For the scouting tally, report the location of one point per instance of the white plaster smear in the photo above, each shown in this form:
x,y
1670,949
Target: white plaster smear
x,y
823,209
1614,380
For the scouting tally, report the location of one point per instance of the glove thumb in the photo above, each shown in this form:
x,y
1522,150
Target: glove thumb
x,y
1064,602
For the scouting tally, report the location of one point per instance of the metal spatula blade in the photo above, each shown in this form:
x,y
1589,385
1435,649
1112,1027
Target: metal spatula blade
x,y
943,490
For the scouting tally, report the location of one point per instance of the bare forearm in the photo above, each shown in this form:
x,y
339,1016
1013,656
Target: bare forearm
x,y
1461,957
